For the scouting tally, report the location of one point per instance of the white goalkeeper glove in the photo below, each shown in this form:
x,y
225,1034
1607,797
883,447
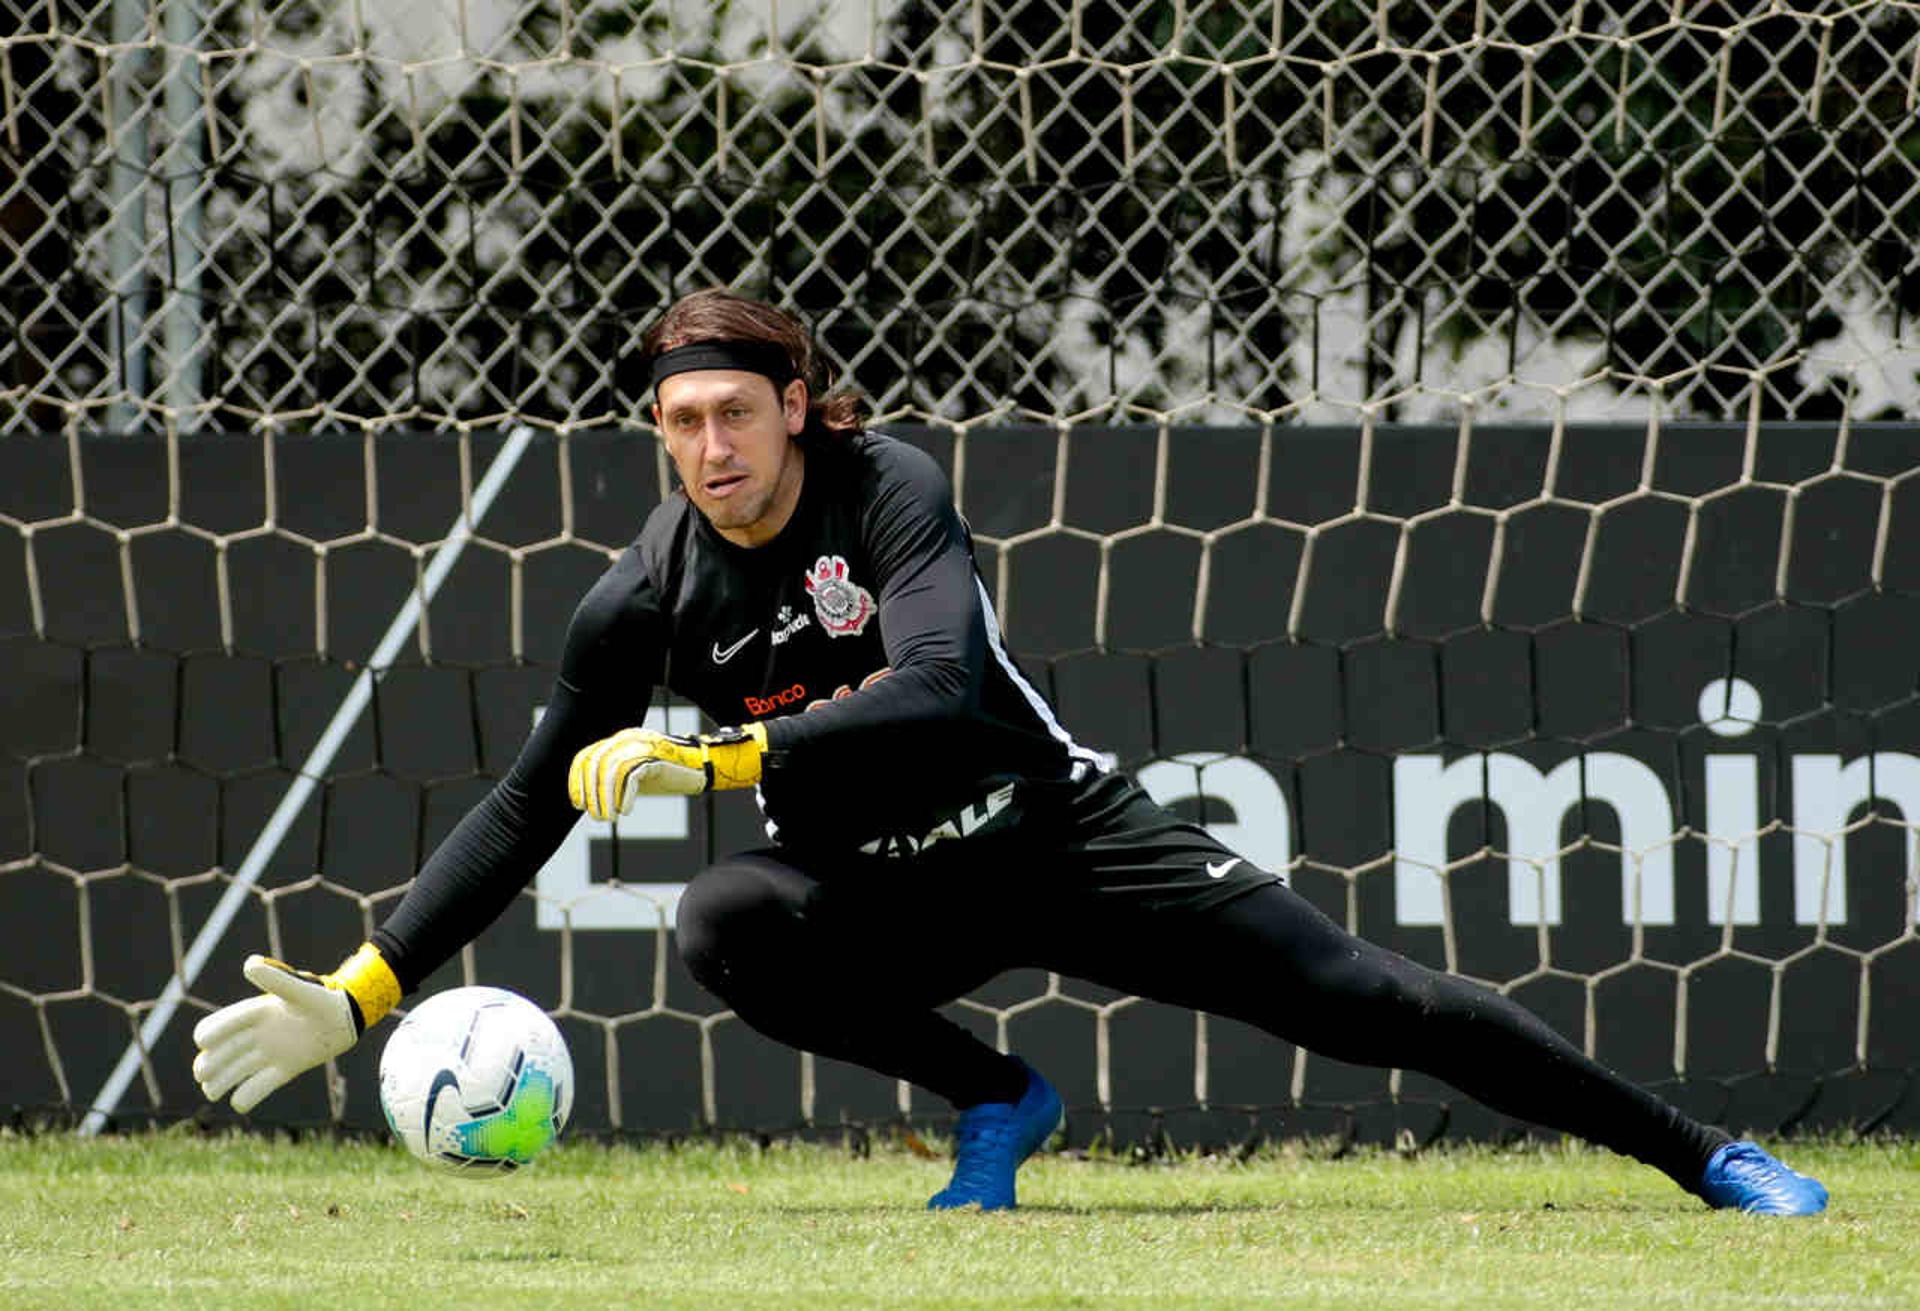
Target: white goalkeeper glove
x,y
607,777
299,1021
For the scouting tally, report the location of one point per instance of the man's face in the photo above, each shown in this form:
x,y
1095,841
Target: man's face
x,y
730,434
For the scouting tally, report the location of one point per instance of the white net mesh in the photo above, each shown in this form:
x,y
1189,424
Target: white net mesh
x,y
272,277
1595,715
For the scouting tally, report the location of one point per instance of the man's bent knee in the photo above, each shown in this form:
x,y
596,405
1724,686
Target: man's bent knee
x,y
736,913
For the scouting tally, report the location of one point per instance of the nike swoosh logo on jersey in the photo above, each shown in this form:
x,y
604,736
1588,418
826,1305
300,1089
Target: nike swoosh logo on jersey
x,y
1220,871
720,657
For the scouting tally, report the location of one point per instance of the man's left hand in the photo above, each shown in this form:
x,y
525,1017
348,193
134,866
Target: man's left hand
x,y
607,777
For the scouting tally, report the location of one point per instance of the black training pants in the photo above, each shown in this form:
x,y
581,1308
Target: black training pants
x,y
849,955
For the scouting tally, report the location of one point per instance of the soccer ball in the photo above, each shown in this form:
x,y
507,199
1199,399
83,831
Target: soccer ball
x,y
476,1079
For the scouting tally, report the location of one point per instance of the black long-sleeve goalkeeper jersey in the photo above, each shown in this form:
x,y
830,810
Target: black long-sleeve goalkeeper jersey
x,y
861,634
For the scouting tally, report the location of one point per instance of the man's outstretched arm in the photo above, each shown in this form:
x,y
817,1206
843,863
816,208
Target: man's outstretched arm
x,y
613,656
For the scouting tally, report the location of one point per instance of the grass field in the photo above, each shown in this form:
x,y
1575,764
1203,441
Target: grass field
x,y
171,1220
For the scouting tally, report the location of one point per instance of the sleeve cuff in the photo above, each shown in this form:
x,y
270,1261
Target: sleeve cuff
x,y
780,735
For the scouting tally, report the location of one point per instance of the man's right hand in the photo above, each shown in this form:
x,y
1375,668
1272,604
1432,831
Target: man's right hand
x,y
300,1020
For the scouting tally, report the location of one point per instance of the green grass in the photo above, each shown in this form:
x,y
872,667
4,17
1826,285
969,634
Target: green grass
x,y
171,1220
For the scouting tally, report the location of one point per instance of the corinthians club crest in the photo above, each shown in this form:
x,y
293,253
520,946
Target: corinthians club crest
x,y
843,605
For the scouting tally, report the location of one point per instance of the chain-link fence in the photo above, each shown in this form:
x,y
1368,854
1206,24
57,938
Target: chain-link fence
x,y
327,210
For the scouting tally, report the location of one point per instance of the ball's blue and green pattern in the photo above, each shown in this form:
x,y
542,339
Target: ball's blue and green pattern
x,y
511,1136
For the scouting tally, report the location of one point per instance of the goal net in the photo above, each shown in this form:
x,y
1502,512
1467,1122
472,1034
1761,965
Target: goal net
x,y
1462,452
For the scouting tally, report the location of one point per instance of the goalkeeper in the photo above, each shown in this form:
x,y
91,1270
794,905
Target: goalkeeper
x,y
932,823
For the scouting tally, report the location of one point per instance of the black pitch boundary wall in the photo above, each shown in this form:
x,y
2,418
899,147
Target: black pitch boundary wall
x,y
134,774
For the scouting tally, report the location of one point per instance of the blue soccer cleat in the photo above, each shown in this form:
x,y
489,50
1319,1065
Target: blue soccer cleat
x,y
1742,1176
990,1142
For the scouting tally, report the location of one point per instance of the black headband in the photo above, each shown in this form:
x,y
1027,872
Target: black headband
x,y
762,357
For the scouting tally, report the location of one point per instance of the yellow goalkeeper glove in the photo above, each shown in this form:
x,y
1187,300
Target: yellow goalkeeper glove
x,y
298,1021
605,778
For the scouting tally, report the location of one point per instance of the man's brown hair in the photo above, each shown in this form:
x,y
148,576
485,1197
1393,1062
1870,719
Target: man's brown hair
x,y
717,314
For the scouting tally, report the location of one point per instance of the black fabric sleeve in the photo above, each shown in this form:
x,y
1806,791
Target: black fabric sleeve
x,y
614,655
930,621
